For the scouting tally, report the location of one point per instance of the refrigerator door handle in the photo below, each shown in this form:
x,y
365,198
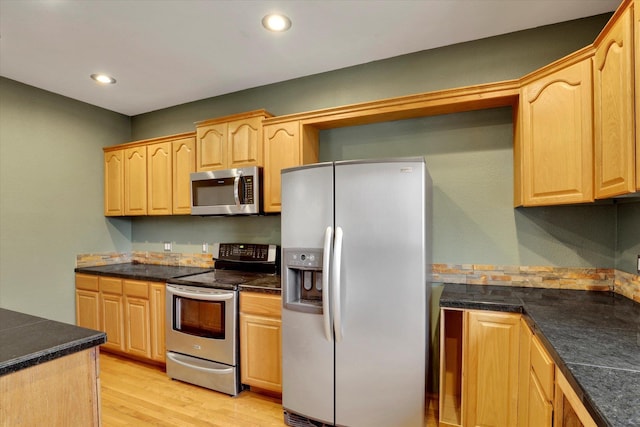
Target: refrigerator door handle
x,y
335,281
326,263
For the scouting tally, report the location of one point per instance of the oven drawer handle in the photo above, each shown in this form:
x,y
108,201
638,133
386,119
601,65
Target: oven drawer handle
x,y
201,296
199,368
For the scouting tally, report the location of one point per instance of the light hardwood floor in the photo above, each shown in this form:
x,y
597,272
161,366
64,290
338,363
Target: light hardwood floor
x,y
137,394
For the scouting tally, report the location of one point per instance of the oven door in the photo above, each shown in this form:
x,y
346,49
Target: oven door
x,y
201,322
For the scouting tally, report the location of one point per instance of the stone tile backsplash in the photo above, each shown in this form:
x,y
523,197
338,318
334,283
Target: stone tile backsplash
x,y
157,258
592,279
588,279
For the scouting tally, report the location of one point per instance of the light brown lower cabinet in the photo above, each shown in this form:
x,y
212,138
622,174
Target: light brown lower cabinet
x,y
137,316
569,410
479,379
130,312
261,340
158,314
494,371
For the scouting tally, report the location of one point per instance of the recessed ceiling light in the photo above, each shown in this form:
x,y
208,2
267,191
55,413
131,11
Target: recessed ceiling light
x,y
103,79
276,22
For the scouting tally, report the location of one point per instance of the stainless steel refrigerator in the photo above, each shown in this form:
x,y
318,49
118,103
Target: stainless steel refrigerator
x,y
355,257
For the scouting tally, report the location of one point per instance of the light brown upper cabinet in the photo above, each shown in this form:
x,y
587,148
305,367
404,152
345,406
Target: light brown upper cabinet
x,y
135,180
615,158
230,141
637,91
159,179
184,162
114,183
286,144
150,177
554,155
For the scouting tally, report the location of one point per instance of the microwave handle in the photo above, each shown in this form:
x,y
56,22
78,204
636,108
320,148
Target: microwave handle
x,y
236,189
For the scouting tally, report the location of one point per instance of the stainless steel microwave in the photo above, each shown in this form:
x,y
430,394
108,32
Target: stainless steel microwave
x,y
227,192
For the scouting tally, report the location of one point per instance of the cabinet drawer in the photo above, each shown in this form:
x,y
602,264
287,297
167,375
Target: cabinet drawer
x,y
261,304
111,285
87,282
136,288
542,366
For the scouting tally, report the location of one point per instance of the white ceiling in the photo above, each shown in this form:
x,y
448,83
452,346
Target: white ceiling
x,y
168,52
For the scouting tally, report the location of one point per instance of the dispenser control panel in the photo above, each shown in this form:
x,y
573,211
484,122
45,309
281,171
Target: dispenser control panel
x,y
302,279
310,258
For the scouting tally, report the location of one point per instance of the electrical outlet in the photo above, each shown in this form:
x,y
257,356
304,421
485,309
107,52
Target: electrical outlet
x,y
167,246
205,247
638,264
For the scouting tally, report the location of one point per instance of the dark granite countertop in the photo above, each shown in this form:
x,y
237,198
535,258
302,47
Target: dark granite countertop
x,y
593,337
267,284
137,271
257,282
27,340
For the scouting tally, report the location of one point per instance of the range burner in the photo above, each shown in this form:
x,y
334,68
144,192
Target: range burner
x,y
236,264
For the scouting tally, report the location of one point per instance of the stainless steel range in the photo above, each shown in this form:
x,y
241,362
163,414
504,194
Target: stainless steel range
x,y
202,316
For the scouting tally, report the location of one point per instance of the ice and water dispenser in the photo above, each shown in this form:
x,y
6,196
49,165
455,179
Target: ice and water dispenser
x,y
302,281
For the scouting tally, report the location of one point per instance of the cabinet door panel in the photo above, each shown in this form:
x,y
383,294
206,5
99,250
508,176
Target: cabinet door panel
x,y
88,309
157,307
113,321
282,150
135,181
159,178
114,183
614,111
491,366
245,142
261,351
138,340
636,45
211,147
557,137
540,408
524,373
184,162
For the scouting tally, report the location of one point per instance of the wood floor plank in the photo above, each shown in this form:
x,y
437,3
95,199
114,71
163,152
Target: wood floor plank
x,y
141,395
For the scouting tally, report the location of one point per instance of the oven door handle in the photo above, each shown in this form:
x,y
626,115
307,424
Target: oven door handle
x,y
218,296
199,368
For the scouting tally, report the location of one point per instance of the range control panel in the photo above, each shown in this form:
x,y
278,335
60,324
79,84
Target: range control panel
x,y
244,252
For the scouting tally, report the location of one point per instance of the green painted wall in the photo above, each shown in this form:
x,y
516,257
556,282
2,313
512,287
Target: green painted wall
x,y
469,154
628,236
51,170
470,158
51,204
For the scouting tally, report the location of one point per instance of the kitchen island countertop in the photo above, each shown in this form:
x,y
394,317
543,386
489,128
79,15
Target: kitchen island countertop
x,y
27,340
593,337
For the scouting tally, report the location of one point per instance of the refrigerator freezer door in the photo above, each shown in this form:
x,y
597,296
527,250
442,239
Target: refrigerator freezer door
x,y
380,361
307,355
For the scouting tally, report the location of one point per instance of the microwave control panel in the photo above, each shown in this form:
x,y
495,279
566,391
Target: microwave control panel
x,y
247,190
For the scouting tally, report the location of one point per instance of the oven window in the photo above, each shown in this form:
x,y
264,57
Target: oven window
x,y
200,318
